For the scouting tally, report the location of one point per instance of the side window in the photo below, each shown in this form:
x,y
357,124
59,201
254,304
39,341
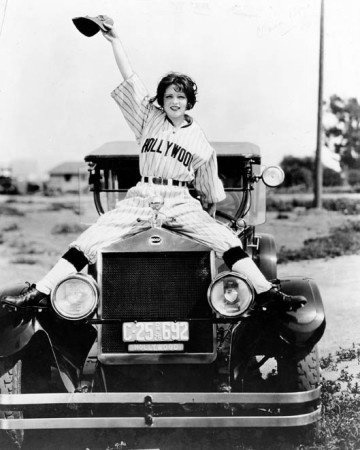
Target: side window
x,y
230,173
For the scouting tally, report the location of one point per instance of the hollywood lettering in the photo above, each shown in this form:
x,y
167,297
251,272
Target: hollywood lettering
x,y
166,148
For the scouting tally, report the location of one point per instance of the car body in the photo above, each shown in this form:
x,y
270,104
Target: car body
x,y
150,340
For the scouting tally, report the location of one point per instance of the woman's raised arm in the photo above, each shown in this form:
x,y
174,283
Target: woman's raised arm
x,y
121,58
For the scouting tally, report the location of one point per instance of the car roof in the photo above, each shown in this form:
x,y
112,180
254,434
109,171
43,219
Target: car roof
x,y
131,148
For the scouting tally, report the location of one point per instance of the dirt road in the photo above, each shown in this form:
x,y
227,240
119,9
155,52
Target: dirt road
x,y
339,283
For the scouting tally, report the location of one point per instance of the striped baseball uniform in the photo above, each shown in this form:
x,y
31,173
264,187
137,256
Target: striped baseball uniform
x,y
182,154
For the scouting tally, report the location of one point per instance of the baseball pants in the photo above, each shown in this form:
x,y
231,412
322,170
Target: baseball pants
x,y
181,212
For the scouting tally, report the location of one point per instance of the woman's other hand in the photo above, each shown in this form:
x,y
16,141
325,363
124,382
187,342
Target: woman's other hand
x,y
211,209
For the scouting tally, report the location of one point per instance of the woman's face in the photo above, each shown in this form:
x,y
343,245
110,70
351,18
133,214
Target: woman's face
x,y
175,103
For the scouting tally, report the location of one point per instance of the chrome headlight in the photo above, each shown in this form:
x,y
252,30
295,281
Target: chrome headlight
x,y
273,176
230,294
75,297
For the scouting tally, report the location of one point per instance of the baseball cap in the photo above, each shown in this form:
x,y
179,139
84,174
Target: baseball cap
x,y
89,26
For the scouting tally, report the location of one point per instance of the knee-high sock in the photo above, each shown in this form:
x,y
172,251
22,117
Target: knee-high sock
x,y
72,261
247,267
62,269
239,261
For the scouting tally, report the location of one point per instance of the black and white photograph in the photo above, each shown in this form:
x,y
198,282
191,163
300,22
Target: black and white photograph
x,y
179,225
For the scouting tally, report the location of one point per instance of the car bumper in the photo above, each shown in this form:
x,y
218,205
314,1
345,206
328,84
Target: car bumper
x,y
238,410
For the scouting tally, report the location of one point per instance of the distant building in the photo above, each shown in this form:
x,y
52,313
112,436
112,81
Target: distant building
x,y
68,177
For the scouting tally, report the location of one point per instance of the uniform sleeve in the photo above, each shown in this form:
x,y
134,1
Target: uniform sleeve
x,y
133,100
207,181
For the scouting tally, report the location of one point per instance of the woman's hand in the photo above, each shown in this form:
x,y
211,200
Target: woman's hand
x,y
111,34
211,209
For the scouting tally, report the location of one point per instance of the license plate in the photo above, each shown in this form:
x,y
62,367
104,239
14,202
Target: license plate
x,y
155,331
156,347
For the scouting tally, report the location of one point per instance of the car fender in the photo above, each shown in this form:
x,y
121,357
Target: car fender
x,y
69,342
303,328
265,255
16,329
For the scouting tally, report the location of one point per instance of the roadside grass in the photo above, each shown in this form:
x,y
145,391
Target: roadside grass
x,y
343,240
23,260
68,228
24,247
340,424
19,200
59,206
10,227
347,206
6,210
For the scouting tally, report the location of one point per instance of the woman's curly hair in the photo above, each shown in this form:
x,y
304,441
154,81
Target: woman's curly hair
x,y
184,84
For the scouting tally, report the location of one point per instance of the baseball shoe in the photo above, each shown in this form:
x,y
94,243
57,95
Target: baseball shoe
x,y
275,299
30,297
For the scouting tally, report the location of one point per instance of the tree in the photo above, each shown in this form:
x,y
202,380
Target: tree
x,y
298,171
343,132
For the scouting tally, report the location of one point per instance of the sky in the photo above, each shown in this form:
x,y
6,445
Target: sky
x,y
255,62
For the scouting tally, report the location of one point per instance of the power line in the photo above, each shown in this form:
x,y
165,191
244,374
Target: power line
x,y
3,18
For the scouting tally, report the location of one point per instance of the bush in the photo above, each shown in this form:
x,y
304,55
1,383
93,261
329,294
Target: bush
x,y
345,205
58,206
331,178
27,248
68,228
10,211
299,171
340,424
23,260
281,205
354,177
10,227
343,240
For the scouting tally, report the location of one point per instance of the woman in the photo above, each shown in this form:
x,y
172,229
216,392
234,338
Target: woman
x,y
173,152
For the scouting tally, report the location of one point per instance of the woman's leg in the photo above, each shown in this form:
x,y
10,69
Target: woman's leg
x,y
194,222
109,228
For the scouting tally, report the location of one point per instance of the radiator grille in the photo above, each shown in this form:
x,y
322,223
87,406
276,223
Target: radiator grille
x,y
157,286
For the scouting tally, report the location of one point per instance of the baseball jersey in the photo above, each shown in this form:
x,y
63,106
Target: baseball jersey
x,y
182,154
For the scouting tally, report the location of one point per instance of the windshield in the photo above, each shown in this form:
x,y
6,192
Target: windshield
x,y
113,177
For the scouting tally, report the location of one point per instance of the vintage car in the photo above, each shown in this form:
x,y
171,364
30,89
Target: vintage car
x,y
159,333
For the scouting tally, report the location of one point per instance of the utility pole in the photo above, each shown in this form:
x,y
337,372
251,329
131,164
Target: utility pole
x,y
318,173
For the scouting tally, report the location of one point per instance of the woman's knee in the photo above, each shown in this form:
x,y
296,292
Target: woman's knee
x,y
234,254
